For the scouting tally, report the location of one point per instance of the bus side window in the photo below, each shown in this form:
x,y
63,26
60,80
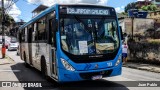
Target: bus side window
x,y
42,29
52,33
34,34
23,35
30,34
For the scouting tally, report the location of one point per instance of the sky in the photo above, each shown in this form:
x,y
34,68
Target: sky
x,y
22,9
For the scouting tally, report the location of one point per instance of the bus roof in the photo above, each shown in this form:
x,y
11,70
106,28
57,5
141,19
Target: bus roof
x,y
48,10
52,8
84,4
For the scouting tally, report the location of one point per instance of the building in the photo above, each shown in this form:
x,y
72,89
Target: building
x,y
143,3
38,10
13,31
156,2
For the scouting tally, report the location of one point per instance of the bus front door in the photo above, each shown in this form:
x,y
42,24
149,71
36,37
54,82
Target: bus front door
x,y
54,64
52,41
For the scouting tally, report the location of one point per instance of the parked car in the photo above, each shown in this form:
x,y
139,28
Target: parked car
x,y
13,39
6,43
12,46
0,41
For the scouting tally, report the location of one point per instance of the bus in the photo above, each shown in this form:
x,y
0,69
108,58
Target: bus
x,y
73,42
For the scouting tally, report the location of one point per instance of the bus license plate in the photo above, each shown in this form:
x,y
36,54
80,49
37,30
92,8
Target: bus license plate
x,y
96,77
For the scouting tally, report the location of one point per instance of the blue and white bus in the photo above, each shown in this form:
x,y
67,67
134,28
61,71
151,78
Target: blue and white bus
x,y
73,42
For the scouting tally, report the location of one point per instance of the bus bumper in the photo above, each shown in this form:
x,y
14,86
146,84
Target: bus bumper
x,y
70,76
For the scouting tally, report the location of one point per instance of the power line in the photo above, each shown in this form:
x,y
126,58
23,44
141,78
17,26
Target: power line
x,y
12,4
9,2
7,9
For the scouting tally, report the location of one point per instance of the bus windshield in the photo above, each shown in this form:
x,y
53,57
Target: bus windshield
x,y
89,35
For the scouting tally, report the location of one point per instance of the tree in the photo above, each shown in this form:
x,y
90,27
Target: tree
x,y
124,13
150,7
8,19
130,6
135,5
144,8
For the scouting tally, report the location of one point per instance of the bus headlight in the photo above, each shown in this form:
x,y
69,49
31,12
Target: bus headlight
x,y
67,65
119,60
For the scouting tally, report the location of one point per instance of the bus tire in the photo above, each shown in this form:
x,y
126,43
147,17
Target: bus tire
x,y
25,61
44,68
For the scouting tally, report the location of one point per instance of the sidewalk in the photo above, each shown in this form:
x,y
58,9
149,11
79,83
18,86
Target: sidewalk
x,y
5,60
147,67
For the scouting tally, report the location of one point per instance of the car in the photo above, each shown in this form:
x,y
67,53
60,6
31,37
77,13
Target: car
x,y
0,41
6,43
13,39
12,46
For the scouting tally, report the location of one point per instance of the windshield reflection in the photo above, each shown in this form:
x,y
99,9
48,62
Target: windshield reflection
x,y
89,36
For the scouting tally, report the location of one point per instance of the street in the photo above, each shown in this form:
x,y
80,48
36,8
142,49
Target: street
x,y
75,40
16,71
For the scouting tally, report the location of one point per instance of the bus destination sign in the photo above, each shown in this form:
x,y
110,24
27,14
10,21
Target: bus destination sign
x,y
88,11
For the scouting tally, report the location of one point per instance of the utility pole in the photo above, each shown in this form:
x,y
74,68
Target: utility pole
x,y
132,18
3,21
3,37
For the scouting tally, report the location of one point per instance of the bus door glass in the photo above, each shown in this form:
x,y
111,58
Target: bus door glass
x,y
52,41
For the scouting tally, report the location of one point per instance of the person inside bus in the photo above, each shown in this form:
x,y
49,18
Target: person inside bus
x,y
80,35
106,38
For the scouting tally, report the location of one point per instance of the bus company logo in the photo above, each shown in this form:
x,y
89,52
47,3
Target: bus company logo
x,y
6,84
96,66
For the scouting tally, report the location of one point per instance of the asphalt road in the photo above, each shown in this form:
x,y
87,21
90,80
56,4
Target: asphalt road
x,y
128,80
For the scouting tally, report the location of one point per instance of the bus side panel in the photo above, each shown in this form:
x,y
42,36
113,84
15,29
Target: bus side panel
x,y
39,50
47,55
27,52
35,56
22,50
43,51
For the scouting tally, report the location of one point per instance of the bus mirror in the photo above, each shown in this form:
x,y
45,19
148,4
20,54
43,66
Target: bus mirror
x,y
121,33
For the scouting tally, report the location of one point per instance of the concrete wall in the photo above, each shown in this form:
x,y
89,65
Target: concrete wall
x,y
139,25
144,51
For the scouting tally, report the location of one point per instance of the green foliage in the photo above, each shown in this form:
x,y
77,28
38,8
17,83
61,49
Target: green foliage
x,y
149,8
8,19
135,5
144,8
124,13
130,6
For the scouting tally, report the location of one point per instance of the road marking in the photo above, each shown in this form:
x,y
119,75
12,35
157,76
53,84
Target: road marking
x,y
10,70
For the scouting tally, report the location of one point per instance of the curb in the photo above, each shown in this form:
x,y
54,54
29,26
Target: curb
x,y
7,60
145,69
10,58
